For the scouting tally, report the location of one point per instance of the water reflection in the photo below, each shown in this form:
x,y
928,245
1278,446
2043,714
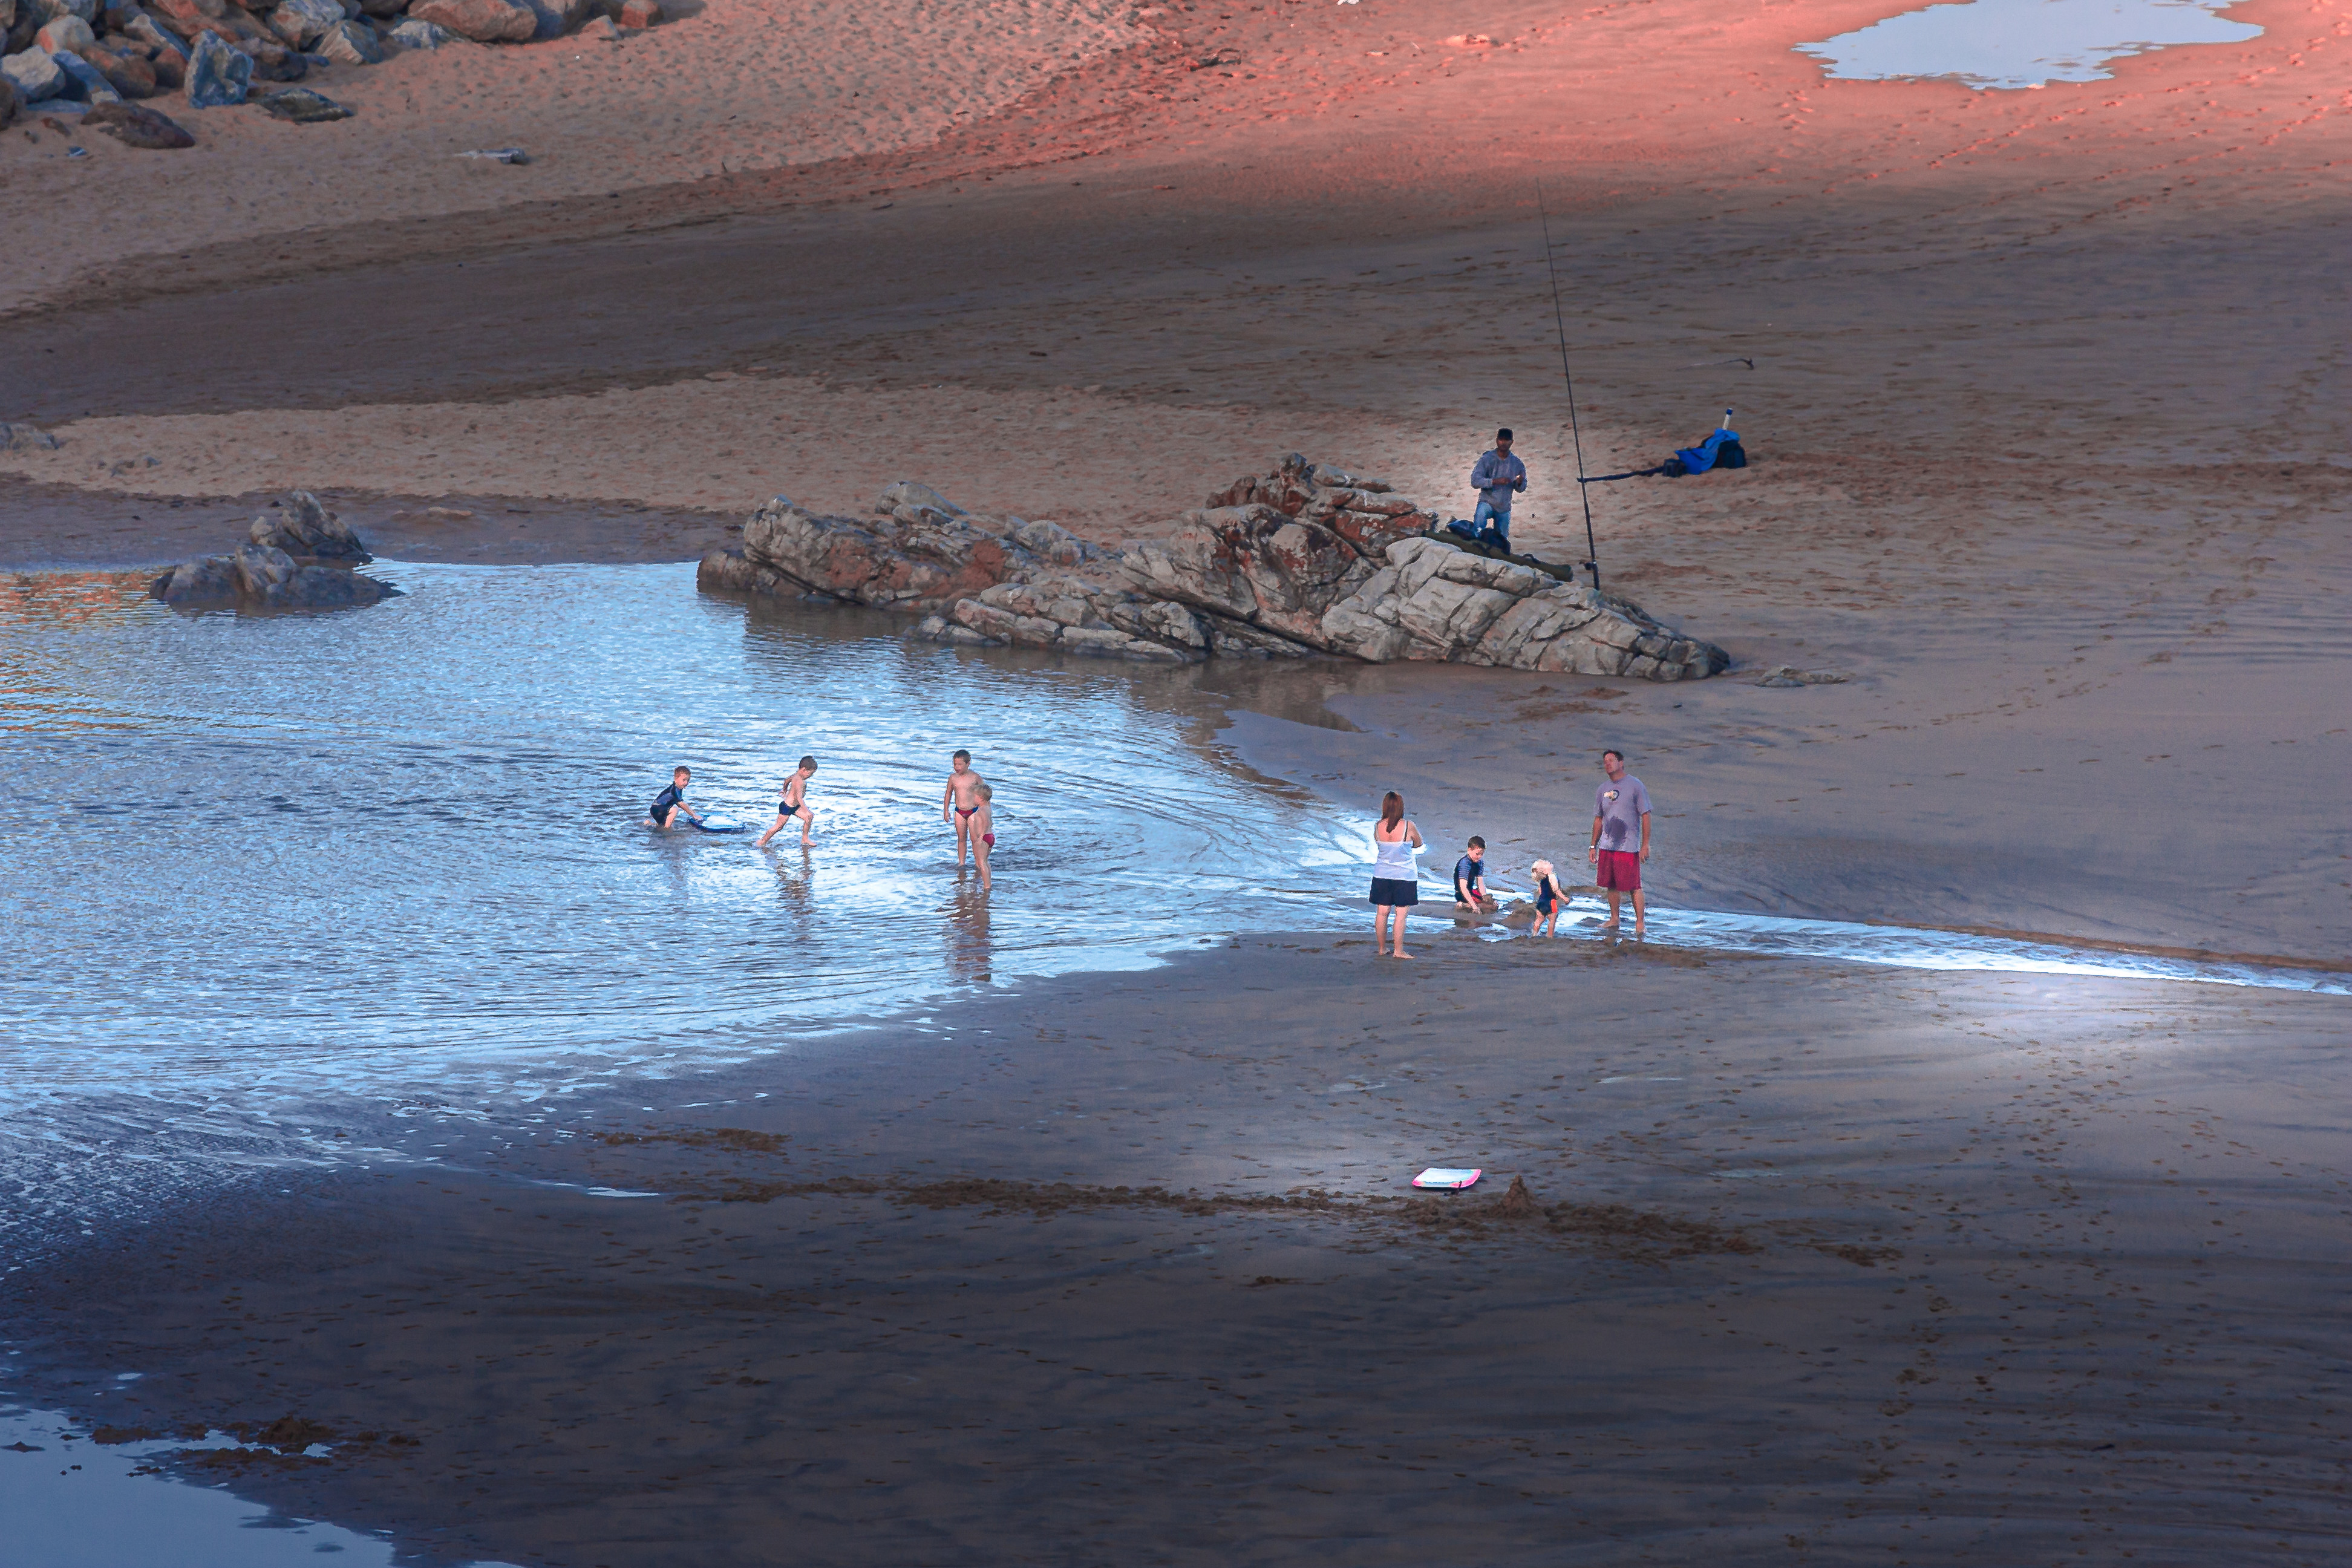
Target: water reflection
x,y
1987,44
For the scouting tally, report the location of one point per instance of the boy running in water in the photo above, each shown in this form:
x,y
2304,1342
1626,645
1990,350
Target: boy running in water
x,y
793,802
960,803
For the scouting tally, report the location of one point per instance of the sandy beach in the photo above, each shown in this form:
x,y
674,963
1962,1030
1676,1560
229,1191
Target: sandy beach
x,y
2045,397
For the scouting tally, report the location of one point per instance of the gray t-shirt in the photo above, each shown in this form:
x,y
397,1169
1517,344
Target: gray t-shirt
x,y
1621,807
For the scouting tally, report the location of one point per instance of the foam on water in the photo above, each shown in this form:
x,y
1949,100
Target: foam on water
x,y
1989,44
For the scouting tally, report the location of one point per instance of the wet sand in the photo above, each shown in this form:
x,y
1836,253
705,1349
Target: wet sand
x,y
1836,1265
1826,1265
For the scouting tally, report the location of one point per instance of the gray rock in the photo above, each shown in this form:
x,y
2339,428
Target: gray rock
x,y
47,10
302,105
1287,568
416,33
554,18
307,531
26,438
1788,675
89,83
352,43
136,125
257,577
300,22
218,76
483,21
34,74
66,32
155,35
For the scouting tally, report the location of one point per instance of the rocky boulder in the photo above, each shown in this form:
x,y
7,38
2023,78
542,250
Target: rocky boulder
x,y
257,577
308,532
135,125
26,438
352,43
302,105
34,74
217,75
299,22
85,82
1307,559
483,21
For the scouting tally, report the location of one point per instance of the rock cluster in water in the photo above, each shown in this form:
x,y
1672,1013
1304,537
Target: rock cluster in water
x,y
299,558
91,55
1307,559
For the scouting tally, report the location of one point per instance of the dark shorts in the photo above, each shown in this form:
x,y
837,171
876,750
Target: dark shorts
x,y
1395,892
1620,870
788,811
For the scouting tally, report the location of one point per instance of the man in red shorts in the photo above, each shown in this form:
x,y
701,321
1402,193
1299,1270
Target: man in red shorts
x,y
1621,838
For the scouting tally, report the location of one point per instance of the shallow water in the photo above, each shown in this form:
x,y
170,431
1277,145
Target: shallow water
x,y
396,856
282,885
1988,44
71,1503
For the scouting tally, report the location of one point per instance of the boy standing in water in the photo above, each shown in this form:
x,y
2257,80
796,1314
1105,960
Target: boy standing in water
x,y
983,833
1621,839
960,802
792,802
671,804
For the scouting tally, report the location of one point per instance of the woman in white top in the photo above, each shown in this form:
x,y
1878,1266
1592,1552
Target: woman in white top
x,y
1396,881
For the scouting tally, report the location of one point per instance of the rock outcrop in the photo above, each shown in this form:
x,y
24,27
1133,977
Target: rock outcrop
x,y
1305,561
309,533
300,559
257,577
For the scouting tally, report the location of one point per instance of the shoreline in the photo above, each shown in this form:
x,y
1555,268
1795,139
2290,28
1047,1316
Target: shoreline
x,y
815,1299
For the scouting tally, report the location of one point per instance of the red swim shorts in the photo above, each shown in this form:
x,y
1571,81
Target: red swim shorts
x,y
1620,870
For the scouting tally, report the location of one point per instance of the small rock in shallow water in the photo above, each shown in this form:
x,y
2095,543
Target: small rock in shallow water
x,y
302,105
218,76
134,125
258,577
351,44
499,155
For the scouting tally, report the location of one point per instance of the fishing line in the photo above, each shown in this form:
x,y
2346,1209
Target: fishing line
x,y
1560,320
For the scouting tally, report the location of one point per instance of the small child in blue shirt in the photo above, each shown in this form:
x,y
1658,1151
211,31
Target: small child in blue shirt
x,y
1470,878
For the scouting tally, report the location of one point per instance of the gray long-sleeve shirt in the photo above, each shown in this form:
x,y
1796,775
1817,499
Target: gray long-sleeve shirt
x,y
1495,479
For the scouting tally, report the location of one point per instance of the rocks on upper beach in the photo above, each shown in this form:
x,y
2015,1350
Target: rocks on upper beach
x,y
1305,559
105,51
300,559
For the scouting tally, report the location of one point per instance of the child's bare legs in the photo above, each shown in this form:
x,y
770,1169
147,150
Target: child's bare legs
x,y
979,858
964,837
1641,911
773,829
808,826
1382,943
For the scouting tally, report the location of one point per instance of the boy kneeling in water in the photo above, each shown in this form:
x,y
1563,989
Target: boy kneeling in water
x,y
792,803
670,803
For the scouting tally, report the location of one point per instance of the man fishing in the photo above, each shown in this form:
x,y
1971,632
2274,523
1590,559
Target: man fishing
x,y
1496,478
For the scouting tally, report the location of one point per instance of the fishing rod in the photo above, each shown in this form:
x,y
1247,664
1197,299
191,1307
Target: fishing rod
x,y
1560,320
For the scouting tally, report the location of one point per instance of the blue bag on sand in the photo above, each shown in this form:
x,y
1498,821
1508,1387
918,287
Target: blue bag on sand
x,y
1698,459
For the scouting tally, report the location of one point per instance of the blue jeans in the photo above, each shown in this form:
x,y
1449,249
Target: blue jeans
x,y
1487,517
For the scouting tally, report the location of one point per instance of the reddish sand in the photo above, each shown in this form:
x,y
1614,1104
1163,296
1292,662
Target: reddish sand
x,y
2048,406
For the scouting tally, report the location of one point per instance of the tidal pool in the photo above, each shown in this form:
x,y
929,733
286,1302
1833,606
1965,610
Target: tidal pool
x,y
1988,44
